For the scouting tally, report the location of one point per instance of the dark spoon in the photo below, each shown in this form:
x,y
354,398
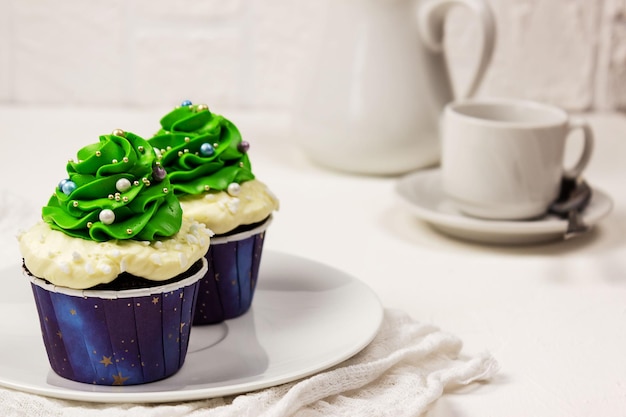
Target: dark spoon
x,y
574,197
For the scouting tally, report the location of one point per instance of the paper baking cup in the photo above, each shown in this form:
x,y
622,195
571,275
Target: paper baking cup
x,y
227,289
123,337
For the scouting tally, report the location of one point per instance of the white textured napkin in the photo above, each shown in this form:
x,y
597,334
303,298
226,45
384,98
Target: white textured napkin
x,y
405,368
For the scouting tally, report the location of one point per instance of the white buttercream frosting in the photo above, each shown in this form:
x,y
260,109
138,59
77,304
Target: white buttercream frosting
x,y
222,212
79,263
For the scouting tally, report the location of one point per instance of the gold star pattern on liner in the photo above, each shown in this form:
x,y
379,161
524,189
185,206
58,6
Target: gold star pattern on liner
x,y
155,300
119,379
60,334
106,361
73,312
181,326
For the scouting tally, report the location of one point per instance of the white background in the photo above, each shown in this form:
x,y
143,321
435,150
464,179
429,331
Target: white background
x,y
249,54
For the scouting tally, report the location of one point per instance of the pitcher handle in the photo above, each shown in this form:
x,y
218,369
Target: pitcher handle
x,y
431,17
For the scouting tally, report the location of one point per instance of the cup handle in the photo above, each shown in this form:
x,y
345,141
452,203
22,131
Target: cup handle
x,y
431,17
587,150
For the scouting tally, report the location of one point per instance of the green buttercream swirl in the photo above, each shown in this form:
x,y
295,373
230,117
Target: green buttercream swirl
x,y
147,210
183,132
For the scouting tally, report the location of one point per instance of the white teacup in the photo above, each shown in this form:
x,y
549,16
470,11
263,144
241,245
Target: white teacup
x,y
504,158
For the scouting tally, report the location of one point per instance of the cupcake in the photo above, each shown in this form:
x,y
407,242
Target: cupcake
x,y
209,169
114,267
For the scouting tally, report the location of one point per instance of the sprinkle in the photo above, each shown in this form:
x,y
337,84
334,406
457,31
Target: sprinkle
x,y
64,267
180,153
104,268
125,159
165,190
158,244
182,259
156,259
125,199
187,139
207,188
111,196
98,153
75,203
140,148
89,224
233,205
135,183
114,161
129,231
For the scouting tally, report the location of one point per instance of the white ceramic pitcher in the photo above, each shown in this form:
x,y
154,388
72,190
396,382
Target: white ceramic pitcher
x,y
371,100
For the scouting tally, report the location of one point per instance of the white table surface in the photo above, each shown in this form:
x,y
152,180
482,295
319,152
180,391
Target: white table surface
x,y
553,315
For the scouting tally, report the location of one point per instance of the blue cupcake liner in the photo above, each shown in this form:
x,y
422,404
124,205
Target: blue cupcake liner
x,y
227,289
123,337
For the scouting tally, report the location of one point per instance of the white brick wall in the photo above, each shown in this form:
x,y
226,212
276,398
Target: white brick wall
x,y
249,54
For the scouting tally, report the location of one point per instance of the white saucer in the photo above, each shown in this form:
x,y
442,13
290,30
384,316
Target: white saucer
x,y
306,317
422,193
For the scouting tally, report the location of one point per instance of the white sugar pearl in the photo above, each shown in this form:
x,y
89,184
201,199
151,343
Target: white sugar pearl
x,y
122,185
234,189
107,216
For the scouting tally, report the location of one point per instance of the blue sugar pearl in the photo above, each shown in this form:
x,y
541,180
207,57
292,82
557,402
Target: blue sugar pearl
x,y
206,149
185,103
68,187
62,183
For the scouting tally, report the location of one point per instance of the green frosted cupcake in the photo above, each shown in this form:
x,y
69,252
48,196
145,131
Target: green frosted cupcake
x,y
114,267
209,168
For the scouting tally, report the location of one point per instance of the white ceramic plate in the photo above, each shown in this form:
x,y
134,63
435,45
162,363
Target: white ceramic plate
x,y
306,317
422,193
